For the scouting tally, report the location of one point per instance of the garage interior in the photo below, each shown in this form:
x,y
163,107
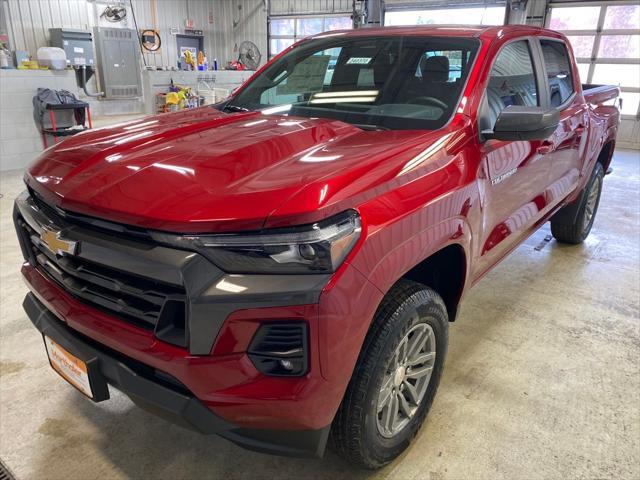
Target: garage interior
x,y
542,378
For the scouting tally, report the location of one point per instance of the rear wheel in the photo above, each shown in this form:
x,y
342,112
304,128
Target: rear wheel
x,y
396,377
577,231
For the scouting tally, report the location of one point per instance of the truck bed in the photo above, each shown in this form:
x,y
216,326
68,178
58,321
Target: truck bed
x,y
598,94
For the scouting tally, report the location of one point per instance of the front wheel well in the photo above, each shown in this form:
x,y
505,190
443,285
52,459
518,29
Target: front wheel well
x,y
444,272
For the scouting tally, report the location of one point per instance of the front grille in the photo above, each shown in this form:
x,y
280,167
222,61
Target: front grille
x,y
142,301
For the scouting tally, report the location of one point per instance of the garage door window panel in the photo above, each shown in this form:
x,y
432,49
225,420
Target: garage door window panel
x,y
622,17
309,26
280,44
583,71
630,102
582,45
284,32
284,26
619,46
337,23
491,15
576,18
625,75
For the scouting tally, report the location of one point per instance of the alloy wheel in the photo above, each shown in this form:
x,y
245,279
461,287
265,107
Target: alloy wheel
x,y
592,203
406,380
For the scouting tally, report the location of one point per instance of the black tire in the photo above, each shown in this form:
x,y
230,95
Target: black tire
x,y
355,433
576,231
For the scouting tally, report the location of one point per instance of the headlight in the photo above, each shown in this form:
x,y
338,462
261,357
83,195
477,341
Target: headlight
x,y
317,248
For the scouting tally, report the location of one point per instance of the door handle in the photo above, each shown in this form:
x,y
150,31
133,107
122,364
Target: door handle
x,y
545,148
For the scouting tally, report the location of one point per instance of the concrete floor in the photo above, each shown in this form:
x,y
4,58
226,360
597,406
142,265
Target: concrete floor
x,y
542,379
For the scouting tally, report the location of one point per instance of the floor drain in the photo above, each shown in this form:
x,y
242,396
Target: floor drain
x,y
5,474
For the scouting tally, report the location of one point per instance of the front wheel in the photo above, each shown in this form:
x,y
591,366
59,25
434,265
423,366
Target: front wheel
x,y
578,229
396,377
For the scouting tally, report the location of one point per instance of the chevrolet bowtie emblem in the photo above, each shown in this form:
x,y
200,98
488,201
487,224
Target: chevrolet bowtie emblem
x,y
51,239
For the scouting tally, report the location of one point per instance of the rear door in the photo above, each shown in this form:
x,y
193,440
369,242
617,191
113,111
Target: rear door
x,y
565,148
517,172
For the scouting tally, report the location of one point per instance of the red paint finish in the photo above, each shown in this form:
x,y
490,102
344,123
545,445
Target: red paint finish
x,y
416,191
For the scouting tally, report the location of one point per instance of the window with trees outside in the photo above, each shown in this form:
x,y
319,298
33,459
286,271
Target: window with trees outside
x,y
285,31
605,37
487,15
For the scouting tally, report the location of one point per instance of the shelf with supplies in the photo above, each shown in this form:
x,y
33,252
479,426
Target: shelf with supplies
x,y
158,82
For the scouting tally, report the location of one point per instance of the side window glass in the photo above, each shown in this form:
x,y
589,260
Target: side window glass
x,y
511,82
559,78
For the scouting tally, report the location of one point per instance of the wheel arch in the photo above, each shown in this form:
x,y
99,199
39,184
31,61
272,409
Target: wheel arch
x,y
569,212
445,272
606,154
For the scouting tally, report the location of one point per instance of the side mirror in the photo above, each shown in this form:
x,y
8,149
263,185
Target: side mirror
x,y
516,122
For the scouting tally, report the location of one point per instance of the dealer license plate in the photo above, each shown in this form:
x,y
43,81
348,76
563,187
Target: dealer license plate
x,y
70,367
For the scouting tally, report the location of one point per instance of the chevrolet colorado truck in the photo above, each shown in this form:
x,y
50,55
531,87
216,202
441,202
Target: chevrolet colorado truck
x,y
281,268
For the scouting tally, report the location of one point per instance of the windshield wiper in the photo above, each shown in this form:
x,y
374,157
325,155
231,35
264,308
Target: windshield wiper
x,y
234,108
365,126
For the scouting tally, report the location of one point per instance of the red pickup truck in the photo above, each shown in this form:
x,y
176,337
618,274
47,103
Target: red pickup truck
x,y
281,269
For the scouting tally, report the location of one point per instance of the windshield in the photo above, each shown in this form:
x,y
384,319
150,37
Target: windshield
x,y
388,82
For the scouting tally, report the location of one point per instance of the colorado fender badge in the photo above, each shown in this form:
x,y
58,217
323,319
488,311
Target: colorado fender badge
x,y
503,177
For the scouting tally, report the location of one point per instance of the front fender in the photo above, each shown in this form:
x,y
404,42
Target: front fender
x,y
395,244
348,304
386,269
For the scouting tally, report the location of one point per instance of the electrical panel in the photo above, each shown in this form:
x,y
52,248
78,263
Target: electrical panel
x,y
118,60
77,45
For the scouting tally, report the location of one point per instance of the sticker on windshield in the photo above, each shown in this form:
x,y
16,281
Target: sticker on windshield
x,y
358,60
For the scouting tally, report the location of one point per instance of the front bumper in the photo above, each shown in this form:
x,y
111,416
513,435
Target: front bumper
x,y
170,400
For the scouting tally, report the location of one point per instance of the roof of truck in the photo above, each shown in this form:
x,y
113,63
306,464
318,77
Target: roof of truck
x,y
441,30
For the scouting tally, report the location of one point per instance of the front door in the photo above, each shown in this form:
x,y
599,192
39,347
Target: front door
x,y
516,172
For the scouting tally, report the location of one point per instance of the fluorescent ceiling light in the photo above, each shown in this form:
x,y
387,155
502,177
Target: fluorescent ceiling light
x,y
277,109
343,100
354,93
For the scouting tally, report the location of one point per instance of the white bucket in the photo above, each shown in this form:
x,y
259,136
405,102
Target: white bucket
x,y
211,95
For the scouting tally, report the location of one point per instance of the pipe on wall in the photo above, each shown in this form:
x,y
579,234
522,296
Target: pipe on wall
x,y
373,13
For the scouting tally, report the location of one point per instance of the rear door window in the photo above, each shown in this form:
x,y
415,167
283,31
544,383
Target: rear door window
x,y
558,67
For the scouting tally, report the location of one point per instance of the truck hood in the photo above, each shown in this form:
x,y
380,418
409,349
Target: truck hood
x,y
207,171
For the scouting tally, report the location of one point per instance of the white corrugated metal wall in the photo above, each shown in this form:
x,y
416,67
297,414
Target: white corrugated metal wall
x,y
225,23
28,21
